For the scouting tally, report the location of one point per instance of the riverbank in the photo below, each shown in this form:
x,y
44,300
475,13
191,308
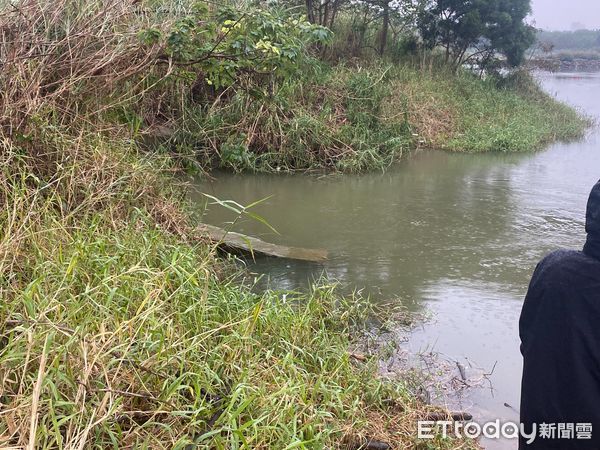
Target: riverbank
x,y
461,113
365,117
120,326
568,62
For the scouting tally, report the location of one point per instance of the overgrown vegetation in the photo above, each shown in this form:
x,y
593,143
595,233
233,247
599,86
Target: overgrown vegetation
x,y
478,30
465,114
244,88
119,327
361,119
335,121
120,330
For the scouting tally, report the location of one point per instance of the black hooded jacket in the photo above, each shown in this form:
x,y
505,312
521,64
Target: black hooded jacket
x,y
560,343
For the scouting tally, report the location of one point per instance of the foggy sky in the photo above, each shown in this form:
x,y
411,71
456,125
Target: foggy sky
x,y
566,14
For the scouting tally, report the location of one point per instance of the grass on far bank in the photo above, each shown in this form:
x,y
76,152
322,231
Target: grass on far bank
x,y
460,112
353,119
331,119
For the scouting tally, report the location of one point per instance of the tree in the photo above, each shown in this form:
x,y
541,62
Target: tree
x,y
385,25
323,12
546,46
393,14
469,29
398,16
253,44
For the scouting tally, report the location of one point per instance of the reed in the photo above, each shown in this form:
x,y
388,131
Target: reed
x,y
119,325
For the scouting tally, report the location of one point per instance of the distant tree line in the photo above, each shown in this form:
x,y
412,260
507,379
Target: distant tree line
x,y
461,31
569,40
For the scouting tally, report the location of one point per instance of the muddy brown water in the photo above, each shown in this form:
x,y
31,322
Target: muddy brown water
x,y
454,235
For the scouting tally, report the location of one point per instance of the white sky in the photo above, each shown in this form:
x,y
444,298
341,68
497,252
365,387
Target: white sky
x,y
566,14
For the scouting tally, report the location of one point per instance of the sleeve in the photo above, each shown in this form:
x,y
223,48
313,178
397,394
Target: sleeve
x,y
531,305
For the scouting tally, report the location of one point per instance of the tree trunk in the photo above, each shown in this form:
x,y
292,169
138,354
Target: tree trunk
x,y
310,11
385,26
334,10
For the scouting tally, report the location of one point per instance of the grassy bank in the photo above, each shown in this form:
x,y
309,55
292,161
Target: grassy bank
x,y
119,326
465,114
352,118
121,329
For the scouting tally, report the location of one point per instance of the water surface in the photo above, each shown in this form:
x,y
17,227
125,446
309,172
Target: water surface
x,y
453,234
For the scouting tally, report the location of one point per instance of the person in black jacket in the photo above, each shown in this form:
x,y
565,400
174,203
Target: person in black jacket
x,y
560,343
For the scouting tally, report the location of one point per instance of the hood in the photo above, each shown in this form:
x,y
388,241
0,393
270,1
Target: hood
x,y
592,223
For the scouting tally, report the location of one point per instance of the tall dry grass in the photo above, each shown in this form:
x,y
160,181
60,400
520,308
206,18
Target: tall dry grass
x,y
118,329
65,59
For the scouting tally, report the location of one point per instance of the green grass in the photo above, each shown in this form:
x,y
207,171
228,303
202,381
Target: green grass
x,y
330,119
143,347
460,112
121,329
354,119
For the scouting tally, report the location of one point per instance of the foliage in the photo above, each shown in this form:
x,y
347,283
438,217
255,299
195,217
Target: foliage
x,y
355,119
60,59
331,120
376,25
239,41
488,26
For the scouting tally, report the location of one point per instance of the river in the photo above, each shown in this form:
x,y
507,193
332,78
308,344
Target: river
x,y
455,236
